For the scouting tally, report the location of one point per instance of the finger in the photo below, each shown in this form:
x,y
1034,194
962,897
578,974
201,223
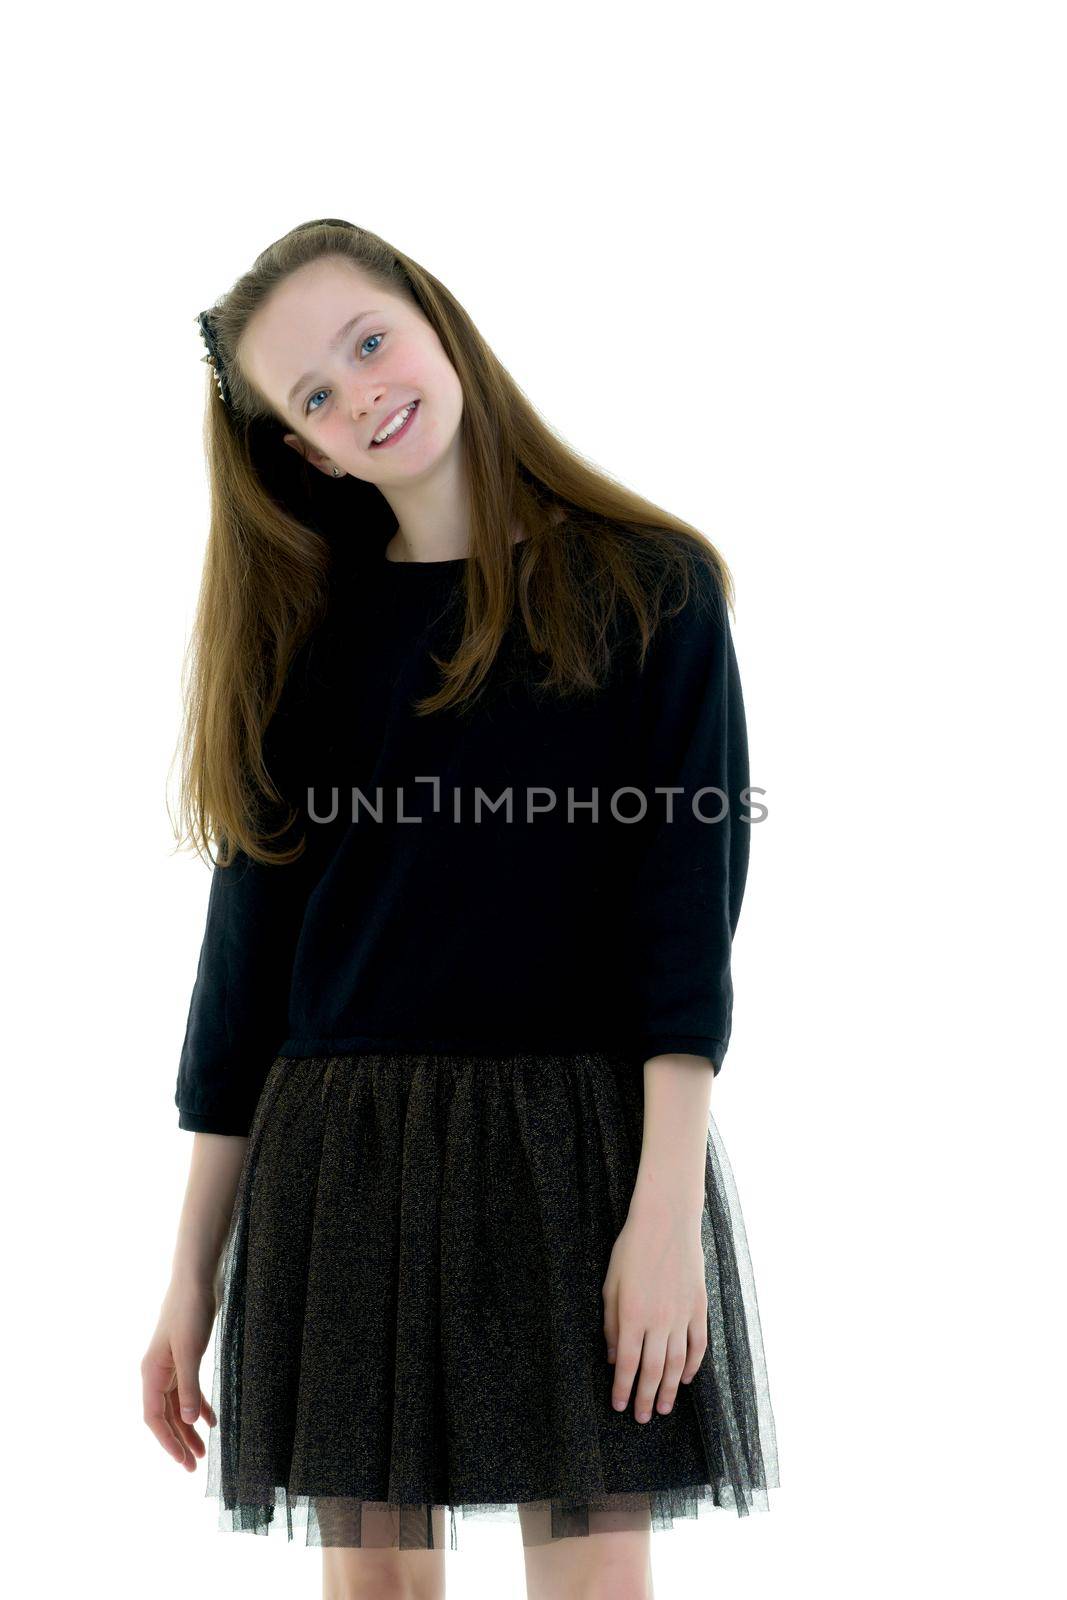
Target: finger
x,y
155,1415
651,1373
189,1395
677,1344
698,1344
206,1415
185,1432
627,1359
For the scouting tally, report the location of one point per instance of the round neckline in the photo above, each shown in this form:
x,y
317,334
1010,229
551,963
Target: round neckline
x,y
450,561
447,564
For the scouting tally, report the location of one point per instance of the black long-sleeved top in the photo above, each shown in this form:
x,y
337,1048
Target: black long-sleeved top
x,y
415,922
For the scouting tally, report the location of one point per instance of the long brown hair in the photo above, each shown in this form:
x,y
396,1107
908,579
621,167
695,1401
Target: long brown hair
x,y
273,540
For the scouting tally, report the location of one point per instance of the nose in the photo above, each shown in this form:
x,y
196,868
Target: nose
x,y
363,400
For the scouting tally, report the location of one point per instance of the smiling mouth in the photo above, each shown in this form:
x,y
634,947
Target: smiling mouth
x,y
398,433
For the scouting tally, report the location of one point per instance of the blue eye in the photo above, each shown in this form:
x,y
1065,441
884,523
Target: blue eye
x,y
309,409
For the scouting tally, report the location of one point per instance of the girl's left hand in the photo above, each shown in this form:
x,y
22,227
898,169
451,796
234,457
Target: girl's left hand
x,y
655,1304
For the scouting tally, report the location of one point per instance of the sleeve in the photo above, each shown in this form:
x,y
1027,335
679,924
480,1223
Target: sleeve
x,y
693,861
239,1009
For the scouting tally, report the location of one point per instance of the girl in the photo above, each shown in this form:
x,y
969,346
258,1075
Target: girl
x,y
466,726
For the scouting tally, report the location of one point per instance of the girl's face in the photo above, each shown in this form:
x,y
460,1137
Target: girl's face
x,y
336,357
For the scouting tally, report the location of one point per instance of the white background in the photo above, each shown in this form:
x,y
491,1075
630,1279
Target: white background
x,y
795,272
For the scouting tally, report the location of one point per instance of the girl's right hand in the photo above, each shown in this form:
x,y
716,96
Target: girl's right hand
x,y
170,1371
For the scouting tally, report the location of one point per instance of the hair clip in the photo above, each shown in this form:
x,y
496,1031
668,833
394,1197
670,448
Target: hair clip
x,y
207,333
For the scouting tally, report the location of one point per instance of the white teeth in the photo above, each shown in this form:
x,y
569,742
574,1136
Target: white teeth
x,y
397,422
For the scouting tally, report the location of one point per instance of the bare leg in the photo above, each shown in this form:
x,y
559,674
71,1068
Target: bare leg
x,y
377,1569
613,1561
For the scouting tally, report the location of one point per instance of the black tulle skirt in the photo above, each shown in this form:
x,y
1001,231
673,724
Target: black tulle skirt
x,y
410,1315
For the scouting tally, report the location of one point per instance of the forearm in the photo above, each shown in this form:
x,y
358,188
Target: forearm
x,y
214,1172
674,1142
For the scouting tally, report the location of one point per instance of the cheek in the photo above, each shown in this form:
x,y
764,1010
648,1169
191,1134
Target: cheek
x,y
444,387
430,369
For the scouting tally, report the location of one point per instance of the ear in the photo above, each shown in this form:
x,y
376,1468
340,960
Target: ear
x,y
314,457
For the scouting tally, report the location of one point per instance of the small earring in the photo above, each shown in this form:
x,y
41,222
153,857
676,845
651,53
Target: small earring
x,y
336,473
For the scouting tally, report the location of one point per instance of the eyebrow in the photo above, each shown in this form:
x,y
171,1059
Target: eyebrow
x,y
342,333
